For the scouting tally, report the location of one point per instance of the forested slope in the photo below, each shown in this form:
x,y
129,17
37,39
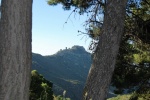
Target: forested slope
x,y
67,70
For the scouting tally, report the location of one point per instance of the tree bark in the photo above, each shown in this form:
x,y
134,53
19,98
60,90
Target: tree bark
x,y
15,49
104,59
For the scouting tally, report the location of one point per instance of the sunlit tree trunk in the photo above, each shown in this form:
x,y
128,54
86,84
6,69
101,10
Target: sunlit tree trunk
x,y
104,59
15,49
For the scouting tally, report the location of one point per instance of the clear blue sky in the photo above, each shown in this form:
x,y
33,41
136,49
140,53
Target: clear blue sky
x,y
50,34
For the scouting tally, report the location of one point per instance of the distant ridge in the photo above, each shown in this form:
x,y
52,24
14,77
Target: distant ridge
x,y
67,69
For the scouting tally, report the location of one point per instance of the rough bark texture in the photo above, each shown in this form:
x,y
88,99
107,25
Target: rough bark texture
x,y
15,49
105,55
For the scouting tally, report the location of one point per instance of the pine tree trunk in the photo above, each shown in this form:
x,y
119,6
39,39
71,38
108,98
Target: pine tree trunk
x,y
104,59
15,49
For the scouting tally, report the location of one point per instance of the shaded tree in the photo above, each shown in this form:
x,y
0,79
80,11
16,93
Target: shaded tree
x,y
105,55
132,67
15,49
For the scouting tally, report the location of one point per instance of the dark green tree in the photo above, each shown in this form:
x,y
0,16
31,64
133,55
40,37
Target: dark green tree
x,y
133,64
40,88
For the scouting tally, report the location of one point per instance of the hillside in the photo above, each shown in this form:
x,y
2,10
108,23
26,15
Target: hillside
x,y
67,69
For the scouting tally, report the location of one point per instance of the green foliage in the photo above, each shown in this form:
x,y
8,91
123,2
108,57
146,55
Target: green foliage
x,y
132,70
81,4
132,96
137,96
59,97
94,31
121,97
40,88
138,21
145,96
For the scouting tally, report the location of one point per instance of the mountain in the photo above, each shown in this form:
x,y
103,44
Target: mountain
x,y
67,70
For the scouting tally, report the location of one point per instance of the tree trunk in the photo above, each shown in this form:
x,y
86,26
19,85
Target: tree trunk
x,y
104,59
15,49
